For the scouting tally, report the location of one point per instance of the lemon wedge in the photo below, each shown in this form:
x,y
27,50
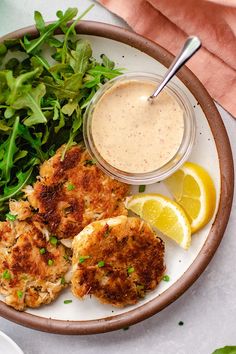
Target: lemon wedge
x,y
193,188
164,214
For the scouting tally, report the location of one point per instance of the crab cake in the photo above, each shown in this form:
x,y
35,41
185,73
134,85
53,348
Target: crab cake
x,y
32,269
117,260
74,192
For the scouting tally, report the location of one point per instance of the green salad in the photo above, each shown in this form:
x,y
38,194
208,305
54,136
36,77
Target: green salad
x,y
45,85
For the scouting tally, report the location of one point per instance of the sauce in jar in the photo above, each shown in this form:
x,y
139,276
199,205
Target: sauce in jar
x,y
133,134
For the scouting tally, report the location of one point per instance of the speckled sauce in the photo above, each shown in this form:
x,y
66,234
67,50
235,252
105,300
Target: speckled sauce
x,y
133,134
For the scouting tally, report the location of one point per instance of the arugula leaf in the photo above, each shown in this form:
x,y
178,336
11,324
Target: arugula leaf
x,y
47,32
12,191
32,99
61,123
3,49
18,85
71,29
77,123
55,43
20,155
4,88
35,142
9,112
4,127
39,22
68,89
10,149
70,107
88,98
99,71
13,44
107,62
79,58
226,350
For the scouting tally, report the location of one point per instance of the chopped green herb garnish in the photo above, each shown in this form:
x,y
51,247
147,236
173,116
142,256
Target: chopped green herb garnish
x,y
166,277
66,257
130,270
101,264
6,275
67,301
53,240
181,323
89,162
11,217
19,294
50,262
42,250
83,258
70,187
142,188
126,328
63,281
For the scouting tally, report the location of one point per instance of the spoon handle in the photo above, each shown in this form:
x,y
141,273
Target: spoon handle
x,y
191,45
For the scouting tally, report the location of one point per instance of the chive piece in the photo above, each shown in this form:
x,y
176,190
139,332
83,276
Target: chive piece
x,y
6,274
11,217
66,257
142,188
101,264
166,277
53,240
42,250
83,258
19,294
70,187
63,281
89,162
130,270
50,262
67,301
126,328
181,323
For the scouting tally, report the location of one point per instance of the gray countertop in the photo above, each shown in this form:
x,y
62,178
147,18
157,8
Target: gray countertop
x,y
208,308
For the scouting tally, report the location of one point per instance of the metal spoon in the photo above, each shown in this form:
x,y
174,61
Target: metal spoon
x,y
190,47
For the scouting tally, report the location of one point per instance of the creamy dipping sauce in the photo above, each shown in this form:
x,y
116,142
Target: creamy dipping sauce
x,y
132,134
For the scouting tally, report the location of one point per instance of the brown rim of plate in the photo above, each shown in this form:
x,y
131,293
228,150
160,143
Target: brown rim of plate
x,y
217,230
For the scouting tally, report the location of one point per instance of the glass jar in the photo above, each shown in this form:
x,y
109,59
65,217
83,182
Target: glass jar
x,y
175,161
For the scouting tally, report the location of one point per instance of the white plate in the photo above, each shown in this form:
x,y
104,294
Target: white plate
x,y
8,346
178,261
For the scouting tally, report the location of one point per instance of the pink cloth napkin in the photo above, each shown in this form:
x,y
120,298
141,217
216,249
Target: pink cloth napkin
x,y
169,22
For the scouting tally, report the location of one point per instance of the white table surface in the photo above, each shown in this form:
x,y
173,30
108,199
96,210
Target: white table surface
x,y
208,308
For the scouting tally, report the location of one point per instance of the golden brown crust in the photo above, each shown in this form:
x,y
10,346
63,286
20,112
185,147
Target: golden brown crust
x,y
27,278
133,259
74,192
